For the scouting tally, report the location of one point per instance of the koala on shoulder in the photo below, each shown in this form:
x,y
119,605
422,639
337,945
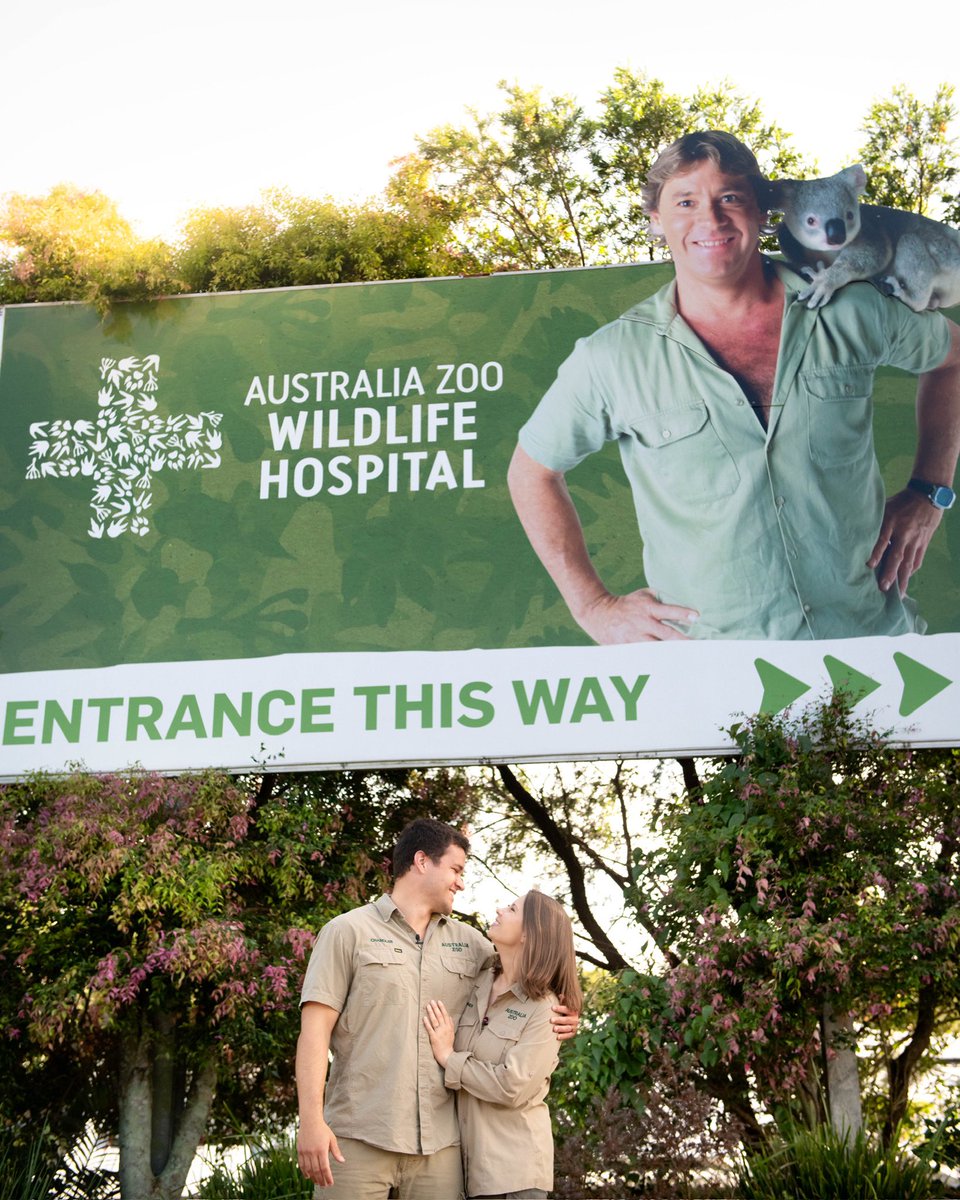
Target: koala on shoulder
x,y
834,239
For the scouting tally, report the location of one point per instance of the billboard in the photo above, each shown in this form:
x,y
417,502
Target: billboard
x,y
274,528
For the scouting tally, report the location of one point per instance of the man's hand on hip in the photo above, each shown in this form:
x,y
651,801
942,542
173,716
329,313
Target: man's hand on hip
x,y
636,617
909,522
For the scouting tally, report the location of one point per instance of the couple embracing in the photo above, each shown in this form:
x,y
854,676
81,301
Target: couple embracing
x,y
443,1041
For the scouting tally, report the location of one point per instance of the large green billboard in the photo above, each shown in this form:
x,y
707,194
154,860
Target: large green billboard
x,y
275,526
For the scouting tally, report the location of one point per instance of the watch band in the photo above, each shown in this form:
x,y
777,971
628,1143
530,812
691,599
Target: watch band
x,y
939,494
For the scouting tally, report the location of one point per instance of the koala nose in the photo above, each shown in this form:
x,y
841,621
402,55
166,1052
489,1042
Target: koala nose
x,y
836,231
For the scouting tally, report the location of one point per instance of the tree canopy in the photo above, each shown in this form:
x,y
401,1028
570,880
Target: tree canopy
x,y
542,181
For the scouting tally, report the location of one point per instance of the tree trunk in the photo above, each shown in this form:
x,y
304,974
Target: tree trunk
x,y
900,1069
143,1135
840,1073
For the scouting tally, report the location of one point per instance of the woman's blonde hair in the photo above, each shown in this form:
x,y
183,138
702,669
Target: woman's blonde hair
x,y
547,959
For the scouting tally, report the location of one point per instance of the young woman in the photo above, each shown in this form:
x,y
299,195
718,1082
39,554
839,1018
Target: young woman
x,y
500,1055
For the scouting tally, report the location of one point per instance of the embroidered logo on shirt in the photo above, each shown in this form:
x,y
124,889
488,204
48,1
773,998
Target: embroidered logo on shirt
x,y
457,946
514,1014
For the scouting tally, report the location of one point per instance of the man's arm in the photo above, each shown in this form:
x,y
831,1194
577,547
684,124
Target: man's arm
x,y
316,1141
910,520
550,520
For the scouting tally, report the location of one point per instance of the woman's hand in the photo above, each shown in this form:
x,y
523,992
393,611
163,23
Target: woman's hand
x,y
440,1027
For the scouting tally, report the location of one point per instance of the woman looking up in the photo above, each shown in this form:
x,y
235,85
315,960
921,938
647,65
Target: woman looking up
x,y
501,1053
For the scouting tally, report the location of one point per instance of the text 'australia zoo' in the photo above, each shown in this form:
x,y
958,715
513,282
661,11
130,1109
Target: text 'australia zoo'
x,y
380,440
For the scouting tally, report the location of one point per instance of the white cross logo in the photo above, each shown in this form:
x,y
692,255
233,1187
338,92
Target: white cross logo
x,y
128,443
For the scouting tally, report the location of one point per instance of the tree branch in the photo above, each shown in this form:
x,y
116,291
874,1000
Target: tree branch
x,y
560,845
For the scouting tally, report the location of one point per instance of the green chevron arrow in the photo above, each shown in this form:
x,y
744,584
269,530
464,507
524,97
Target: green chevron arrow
x,y
779,688
848,679
920,683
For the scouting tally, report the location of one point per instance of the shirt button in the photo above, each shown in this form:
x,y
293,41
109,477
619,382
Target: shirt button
x,y
806,608
780,502
665,433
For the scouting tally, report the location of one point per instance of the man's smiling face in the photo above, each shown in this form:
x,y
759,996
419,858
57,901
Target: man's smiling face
x,y
711,222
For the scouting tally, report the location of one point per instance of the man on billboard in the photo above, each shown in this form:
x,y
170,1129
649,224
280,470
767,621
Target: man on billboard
x,y
744,423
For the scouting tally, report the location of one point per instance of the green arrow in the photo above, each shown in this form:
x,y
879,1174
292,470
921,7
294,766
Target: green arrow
x,y
920,683
848,679
779,688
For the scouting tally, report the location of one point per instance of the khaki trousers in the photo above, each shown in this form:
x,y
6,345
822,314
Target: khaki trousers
x,y
370,1173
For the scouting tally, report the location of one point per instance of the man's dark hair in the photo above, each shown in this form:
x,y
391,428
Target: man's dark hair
x,y
724,150
432,837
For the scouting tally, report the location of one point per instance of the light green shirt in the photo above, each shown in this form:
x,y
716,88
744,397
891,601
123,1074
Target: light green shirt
x,y
765,532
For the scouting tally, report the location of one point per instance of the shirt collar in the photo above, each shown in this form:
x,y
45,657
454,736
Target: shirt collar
x,y
386,907
660,309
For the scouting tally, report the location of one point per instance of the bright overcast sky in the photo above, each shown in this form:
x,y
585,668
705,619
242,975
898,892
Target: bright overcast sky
x,y
190,103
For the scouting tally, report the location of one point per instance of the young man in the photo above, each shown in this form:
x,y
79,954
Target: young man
x,y
385,1120
744,421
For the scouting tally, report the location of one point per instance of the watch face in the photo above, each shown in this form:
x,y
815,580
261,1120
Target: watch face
x,y
943,497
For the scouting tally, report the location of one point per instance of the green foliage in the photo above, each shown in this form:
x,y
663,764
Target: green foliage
x,y
941,1141
818,869
73,245
269,1173
909,155
825,1165
620,1032
662,1137
290,241
34,1167
516,180
26,1172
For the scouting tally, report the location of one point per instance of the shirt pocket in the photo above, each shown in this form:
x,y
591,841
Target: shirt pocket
x,y
680,452
839,413
465,963
380,978
501,1034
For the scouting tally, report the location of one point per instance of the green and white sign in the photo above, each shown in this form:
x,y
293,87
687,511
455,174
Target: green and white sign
x,y
275,526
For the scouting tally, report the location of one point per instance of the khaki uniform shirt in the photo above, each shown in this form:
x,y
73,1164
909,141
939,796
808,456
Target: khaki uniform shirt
x,y
385,1087
500,1068
765,532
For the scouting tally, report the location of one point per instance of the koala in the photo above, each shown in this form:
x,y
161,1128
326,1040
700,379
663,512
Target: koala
x,y
835,240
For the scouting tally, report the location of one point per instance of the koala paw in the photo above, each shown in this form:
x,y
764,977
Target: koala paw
x,y
821,286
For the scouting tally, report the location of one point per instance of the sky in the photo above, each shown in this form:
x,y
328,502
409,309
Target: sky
x,y
202,103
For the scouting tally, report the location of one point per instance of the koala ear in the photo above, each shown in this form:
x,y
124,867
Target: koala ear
x,y
773,194
769,195
857,177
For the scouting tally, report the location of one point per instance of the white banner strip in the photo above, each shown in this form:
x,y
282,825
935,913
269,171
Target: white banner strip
x,y
327,711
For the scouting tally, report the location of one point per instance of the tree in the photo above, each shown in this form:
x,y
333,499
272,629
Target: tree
x,y
909,155
155,932
814,885
290,241
517,178
74,245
